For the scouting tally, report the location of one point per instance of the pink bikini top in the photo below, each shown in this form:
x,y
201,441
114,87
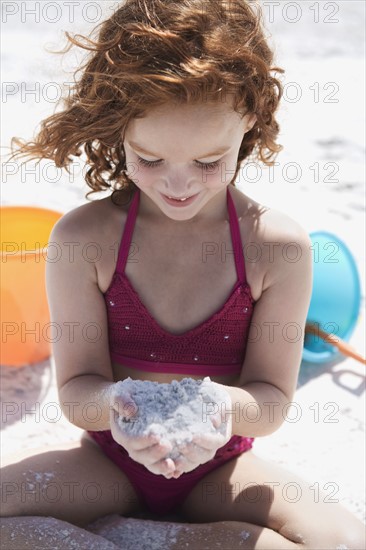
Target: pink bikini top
x,y
215,347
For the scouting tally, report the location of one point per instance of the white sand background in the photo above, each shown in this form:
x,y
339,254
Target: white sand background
x,y
319,181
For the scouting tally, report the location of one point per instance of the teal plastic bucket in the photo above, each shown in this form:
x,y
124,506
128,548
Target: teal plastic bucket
x,y
336,296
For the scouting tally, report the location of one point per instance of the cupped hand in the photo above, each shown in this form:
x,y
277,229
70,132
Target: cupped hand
x,y
153,452
203,446
149,450
200,450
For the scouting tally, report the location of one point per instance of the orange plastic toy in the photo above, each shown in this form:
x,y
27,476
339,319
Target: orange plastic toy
x,y
26,334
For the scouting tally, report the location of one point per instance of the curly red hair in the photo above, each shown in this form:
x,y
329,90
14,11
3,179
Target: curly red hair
x,y
151,52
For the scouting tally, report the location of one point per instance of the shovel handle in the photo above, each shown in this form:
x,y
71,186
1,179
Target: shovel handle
x,y
333,339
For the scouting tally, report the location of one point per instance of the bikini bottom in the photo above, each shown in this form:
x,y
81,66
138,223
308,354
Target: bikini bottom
x,y
159,494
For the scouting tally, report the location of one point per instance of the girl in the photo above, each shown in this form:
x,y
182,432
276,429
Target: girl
x,y
174,96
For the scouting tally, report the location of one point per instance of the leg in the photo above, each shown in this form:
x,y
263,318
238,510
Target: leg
x,y
72,483
35,532
224,535
275,508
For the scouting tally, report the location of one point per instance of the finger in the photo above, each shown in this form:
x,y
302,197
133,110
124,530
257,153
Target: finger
x,y
197,455
143,443
152,454
189,451
185,465
125,407
133,442
165,467
216,420
208,441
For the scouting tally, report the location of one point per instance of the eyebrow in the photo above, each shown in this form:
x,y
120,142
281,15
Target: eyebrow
x,y
219,151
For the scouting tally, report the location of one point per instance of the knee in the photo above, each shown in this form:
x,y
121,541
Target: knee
x,y
340,537
347,531
339,530
350,539
19,499
10,501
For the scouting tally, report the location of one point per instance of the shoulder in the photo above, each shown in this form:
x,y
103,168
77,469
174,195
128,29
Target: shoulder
x,y
281,227
278,239
265,221
289,248
90,221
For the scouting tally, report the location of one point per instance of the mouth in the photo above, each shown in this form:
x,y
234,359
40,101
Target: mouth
x,y
179,201
178,198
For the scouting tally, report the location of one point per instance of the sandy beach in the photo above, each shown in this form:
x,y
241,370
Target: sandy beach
x,y
319,181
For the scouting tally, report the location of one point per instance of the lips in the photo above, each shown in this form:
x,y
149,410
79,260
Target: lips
x,y
178,201
180,198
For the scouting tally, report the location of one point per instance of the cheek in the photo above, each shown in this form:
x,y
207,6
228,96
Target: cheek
x,y
140,175
217,177
133,173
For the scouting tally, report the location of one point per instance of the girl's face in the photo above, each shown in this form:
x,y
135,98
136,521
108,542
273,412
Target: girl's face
x,y
185,151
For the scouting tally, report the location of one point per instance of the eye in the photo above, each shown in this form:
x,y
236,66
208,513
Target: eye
x,y
150,163
153,163
208,165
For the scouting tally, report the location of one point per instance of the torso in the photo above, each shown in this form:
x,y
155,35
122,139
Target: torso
x,y
161,266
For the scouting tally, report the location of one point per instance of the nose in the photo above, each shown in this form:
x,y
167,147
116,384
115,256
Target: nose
x,y
176,190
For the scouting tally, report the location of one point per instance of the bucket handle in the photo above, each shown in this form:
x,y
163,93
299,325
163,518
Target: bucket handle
x,y
333,339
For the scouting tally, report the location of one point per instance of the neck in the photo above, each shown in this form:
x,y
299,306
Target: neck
x,y
214,212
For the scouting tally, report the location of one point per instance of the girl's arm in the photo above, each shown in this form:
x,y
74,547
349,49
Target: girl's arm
x,y
257,406
83,367
273,356
78,315
86,402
